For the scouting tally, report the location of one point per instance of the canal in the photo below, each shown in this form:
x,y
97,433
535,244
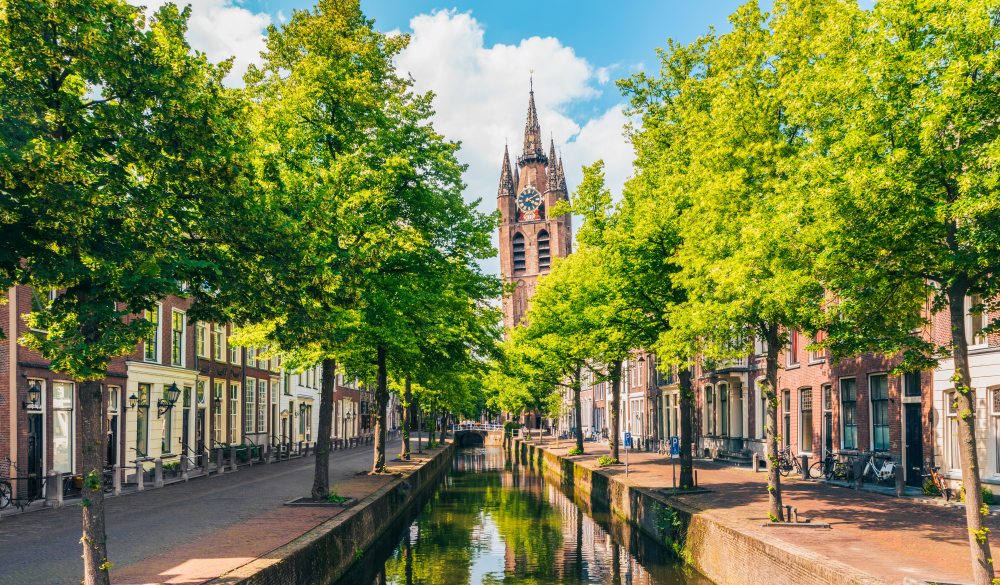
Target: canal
x,y
495,521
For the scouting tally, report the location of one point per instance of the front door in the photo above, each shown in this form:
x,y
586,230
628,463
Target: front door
x,y
199,434
111,457
914,444
828,432
35,446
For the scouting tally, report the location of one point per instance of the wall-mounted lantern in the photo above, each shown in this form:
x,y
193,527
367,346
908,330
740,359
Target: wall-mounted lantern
x,y
165,404
34,401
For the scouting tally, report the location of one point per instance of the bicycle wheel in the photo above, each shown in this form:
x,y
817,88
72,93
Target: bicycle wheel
x,y
5,494
784,468
816,470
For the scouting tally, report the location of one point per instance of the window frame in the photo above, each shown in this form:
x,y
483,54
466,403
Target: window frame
x,y
200,339
151,344
844,425
66,410
177,338
886,426
804,419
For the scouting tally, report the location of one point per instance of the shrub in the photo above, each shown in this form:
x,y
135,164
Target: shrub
x,y
575,451
606,460
334,498
930,489
987,496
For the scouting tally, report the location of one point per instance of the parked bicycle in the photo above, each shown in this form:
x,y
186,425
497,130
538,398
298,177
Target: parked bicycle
x,y
876,471
939,482
788,462
830,467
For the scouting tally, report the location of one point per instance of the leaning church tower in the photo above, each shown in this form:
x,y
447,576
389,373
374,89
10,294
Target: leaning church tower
x,y
529,235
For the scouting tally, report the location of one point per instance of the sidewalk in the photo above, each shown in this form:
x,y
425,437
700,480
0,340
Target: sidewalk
x,y
189,532
887,537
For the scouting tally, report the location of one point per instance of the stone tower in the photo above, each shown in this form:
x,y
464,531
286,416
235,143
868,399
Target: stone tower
x,y
530,237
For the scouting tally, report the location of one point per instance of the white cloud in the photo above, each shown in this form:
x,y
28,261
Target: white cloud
x,y
221,29
482,97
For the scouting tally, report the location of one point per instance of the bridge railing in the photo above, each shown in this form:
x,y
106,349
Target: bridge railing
x,y
477,427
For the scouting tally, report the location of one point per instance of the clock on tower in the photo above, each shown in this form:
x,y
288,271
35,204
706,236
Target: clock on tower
x,y
529,236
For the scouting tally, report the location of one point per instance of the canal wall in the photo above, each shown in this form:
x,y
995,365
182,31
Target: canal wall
x,y
723,553
324,554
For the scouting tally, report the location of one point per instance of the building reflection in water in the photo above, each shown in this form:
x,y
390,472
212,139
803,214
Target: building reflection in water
x,y
493,521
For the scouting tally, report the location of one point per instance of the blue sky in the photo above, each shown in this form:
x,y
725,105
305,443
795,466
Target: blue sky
x,y
476,58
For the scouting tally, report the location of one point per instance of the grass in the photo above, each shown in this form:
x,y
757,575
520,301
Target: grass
x,y
606,460
334,498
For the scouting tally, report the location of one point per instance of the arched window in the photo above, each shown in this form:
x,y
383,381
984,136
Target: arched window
x,y
518,252
544,256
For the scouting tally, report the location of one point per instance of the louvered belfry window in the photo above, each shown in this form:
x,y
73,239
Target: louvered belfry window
x,y
544,256
518,252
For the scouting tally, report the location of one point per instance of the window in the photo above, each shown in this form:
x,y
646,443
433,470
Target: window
x,y
261,406
709,412
218,404
201,339
976,322
951,411
805,420
62,426
177,338
994,396
114,395
142,421
849,413
878,389
817,356
544,256
518,249
793,348
302,420
218,343
234,352
759,346
911,384
168,423
152,342
761,411
252,357
724,409
234,412
786,414
248,407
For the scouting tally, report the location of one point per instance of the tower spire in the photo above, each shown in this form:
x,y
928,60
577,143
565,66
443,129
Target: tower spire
x,y
532,132
553,181
562,178
506,179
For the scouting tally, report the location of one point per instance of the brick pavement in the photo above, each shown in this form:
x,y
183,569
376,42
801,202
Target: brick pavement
x,y
887,537
190,532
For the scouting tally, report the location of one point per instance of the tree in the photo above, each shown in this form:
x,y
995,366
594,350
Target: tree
x,y
722,120
904,147
321,95
121,174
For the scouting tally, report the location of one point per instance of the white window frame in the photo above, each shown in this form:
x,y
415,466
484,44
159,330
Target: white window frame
x,y
234,412
201,329
182,351
249,405
993,399
871,412
218,415
792,352
975,341
219,342
952,453
262,402
812,419
157,336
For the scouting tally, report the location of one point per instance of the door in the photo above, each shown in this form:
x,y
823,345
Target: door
x,y
914,444
111,457
35,445
199,434
827,432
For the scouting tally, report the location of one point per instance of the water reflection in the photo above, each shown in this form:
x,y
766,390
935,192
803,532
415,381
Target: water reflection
x,y
493,521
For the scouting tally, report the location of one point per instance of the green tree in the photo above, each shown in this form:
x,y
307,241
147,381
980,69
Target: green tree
x,y
904,148
121,164
322,98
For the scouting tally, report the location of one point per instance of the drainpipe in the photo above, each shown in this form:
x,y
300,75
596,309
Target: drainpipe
x,y
12,335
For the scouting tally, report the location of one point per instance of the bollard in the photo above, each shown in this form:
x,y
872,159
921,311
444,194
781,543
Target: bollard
x,y
220,467
755,461
117,480
262,453
300,448
805,466
206,458
157,473
788,513
267,453
232,458
307,449
184,467
53,490
900,484
140,479
857,467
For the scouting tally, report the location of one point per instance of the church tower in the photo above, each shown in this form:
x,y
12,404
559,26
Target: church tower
x,y
529,235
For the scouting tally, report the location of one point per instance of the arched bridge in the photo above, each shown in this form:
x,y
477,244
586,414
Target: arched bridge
x,y
475,435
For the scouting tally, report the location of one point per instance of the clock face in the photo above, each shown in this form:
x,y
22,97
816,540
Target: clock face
x,y
529,199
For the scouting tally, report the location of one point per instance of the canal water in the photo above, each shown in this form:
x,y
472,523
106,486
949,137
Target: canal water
x,y
494,521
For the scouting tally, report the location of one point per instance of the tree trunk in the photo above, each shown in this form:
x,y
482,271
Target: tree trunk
x,y
776,511
93,435
616,392
686,479
578,407
407,397
965,399
321,473
432,427
381,401
444,426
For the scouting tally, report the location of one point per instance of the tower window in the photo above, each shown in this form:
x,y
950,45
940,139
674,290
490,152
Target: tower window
x,y
518,252
544,256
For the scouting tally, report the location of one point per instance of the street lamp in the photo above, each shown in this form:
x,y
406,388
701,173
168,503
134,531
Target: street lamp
x,y
34,395
165,404
133,401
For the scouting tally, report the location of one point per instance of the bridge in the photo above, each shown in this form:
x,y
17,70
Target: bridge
x,y
475,434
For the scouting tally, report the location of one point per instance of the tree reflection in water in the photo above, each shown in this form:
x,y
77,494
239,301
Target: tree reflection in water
x,y
494,522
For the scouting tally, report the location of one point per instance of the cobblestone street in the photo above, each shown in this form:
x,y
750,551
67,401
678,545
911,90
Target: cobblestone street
x,y
186,532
